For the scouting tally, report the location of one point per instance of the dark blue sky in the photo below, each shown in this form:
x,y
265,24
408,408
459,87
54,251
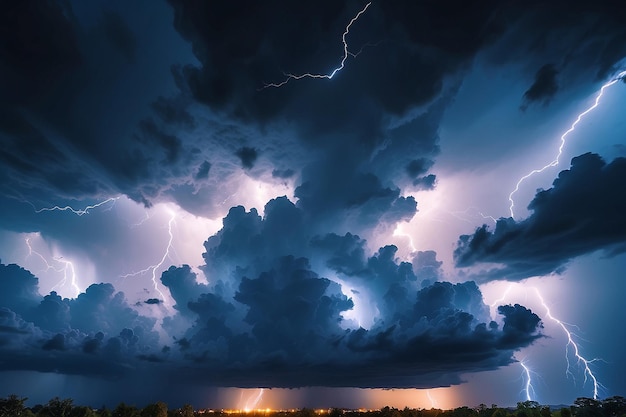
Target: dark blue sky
x,y
172,210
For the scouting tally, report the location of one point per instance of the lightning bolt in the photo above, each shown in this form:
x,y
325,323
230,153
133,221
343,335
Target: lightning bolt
x,y
571,343
556,159
68,268
32,252
253,402
78,212
528,386
463,215
330,75
166,254
433,403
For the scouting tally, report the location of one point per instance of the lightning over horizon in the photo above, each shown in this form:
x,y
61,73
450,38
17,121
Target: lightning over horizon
x,y
528,386
619,77
329,76
587,372
307,207
571,344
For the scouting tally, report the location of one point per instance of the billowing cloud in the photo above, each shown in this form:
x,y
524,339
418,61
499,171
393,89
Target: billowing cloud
x,y
275,313
97,333
171,107
581,213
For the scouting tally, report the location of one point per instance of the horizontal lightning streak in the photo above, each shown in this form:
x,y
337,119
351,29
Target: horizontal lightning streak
x,y
556,160
78,212
329,76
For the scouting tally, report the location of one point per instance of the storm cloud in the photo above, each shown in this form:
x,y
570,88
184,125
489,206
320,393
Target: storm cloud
x,y
581,213
185,113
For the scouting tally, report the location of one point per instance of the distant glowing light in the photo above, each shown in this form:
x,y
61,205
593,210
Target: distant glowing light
x,y
399,231
556,159
330,75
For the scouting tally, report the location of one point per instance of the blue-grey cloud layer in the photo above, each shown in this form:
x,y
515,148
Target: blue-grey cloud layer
x,y
581,213
96,102
269,319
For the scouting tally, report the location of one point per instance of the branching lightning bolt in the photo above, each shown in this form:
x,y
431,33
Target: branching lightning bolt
x,y
166,254
78,212
528,385
571,343
329,76
67,268
556,160
32,252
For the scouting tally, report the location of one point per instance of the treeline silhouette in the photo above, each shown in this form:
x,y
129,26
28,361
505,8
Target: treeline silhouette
x,y
14,406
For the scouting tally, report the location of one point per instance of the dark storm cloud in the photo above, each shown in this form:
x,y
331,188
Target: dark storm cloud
x,y
544,87
84,116
293,336
75,119
581,213
247,156
18,288
95,334
386,102
203,171
269,318
283,173
425,183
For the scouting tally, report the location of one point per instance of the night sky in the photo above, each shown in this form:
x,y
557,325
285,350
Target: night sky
x,y
199,199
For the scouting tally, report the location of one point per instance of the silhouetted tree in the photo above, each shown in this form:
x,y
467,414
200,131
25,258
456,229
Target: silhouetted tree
x,y
104,412
500,412
57,407
123,410
587,407
186,411
545,411
12,406
614,406
82,411
158,409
